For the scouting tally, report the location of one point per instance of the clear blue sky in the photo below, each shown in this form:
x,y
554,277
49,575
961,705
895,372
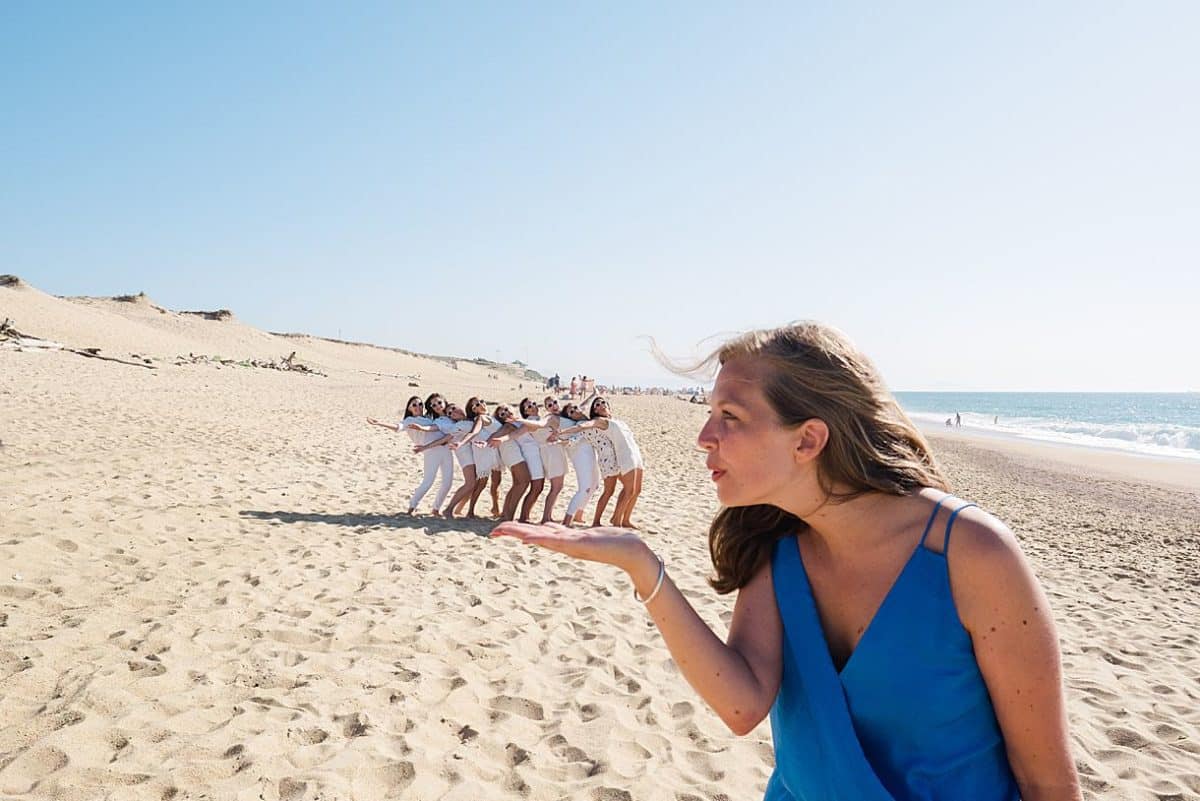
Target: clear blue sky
x,y
1000,197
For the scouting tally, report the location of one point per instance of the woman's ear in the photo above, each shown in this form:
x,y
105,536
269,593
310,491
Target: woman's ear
x,y
810,439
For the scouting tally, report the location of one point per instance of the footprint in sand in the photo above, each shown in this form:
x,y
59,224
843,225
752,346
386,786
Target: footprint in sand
x,y
66,545
702,763
353,725
309,736
291,789
1127,738
31,768
610,794
518,706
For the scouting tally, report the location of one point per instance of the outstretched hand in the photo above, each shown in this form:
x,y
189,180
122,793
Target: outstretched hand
x,y
613,546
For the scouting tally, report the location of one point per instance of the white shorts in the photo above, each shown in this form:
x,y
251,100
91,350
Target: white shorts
x,y
554,460
486,460
532,455
510,453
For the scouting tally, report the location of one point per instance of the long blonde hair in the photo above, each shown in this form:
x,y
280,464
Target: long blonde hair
x,y
817,372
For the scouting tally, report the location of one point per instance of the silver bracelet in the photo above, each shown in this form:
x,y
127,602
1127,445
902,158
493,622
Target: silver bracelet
x,y
662,573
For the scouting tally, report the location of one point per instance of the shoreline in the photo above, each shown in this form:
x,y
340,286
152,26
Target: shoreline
x,y
1163,471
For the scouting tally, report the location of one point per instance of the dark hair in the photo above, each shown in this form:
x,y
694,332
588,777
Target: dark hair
x,y
521,406
817,372
407,405
429,402
592,407
470,407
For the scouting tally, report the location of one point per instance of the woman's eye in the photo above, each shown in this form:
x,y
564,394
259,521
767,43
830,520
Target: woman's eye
x,y
728,416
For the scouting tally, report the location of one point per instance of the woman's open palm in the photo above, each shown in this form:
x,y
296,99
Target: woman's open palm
x,y
612,546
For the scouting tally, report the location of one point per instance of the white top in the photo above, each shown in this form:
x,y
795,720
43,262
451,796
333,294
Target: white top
x,y
420,437
571,439
526,435
542,435
490,426
623,442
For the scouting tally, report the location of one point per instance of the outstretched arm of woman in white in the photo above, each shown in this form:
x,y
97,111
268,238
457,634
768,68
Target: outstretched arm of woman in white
x,y
434,444
503,433
382,424
738,678
597,422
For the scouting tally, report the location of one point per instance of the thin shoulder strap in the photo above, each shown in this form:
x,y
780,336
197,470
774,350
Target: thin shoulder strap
x,y
950,523
937,506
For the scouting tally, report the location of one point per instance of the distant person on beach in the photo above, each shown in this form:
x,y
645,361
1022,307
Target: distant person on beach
x,y
895,634
957,420
996,420
574,387
420,422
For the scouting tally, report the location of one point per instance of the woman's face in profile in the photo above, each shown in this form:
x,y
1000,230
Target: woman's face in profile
x,y
749,451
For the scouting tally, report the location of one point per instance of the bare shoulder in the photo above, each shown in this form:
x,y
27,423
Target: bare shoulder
x,y
989,574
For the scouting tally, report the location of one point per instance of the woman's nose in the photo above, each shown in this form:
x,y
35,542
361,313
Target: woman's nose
x,y
705,438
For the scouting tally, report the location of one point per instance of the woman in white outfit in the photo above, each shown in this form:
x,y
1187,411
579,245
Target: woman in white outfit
x,y
487,460
628,459
525,433
505,441
606,457
554,455
583,459
422,429
458,432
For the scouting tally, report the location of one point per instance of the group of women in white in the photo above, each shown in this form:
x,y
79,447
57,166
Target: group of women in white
x,y
533,447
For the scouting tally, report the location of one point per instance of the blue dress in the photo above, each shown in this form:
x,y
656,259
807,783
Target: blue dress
x,y
908,718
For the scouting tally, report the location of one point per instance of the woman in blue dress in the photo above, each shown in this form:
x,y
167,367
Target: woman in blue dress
x,y
895,635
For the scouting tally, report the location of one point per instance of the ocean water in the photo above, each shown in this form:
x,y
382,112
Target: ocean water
x,y
1152,424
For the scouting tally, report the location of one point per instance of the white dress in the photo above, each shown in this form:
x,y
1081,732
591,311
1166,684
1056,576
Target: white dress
x,y
486,459
629,456
554,456
465,452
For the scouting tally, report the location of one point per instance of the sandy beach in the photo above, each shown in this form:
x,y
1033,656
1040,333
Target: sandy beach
x,y
208,588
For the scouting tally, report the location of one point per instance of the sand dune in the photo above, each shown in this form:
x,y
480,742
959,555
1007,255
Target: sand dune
x,y
206,591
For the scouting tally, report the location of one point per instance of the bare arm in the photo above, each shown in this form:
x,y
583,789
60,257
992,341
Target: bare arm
x,y
442,441
739,678
583,425
382,424
504,432
1008,616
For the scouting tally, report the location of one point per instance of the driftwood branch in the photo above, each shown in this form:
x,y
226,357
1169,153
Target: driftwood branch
x,y
94,353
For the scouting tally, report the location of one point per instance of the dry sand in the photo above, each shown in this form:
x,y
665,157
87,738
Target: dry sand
x,y
206,591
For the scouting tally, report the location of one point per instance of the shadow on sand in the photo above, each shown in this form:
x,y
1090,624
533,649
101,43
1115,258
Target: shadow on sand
x,y
428,525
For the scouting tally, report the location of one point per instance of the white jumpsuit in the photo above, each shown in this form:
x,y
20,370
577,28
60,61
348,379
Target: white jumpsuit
x,y
583,459
437,460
